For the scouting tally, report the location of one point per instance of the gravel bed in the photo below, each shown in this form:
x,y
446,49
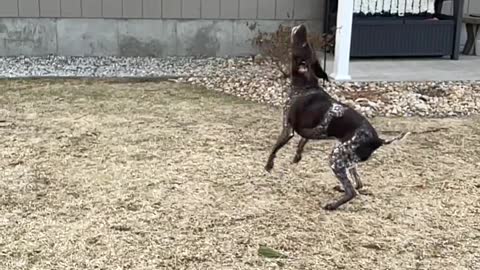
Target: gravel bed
x,y
260,82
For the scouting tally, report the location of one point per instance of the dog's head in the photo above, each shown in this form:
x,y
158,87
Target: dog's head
x,y
302,56
305,64
365,150
302,52
299,35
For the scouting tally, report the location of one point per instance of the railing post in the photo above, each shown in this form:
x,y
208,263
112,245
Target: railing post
x,y
343,37
458,17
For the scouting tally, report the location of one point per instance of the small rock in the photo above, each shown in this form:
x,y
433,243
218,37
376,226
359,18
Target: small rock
x,y
260,81
421,106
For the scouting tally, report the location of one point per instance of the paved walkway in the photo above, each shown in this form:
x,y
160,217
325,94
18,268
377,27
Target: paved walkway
x,y
467,68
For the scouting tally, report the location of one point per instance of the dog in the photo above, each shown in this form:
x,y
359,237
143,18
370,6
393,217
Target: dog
x,y
303,56
314,115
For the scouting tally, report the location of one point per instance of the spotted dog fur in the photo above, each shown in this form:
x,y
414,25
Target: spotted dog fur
x,y
313,114
318,118
320,132
343,159
336,110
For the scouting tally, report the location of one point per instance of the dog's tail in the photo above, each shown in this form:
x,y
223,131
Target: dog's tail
x,y
398,138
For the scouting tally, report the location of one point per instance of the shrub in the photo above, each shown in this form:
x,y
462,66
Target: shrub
x,y
275,46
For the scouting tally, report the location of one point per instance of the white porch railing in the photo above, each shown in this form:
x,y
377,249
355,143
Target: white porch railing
x,y
346,9
343,37
395,7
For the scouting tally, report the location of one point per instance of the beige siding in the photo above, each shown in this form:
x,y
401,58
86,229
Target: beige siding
x,y
172,9
470,6
71,8
177,9
8,8
474,6
308,9
91,8
169,9
152,9
229,9
210,9
49,8
28,8
266,9
248,9
191,9
284,9
132,8
112,8
465,6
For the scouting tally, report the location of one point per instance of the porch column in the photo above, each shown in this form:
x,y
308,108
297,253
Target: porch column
x,y
343,38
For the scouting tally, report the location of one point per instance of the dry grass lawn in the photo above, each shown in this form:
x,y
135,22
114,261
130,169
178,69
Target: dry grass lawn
x,y
108,175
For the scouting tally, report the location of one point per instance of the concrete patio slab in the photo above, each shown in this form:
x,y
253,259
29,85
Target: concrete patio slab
x,y
467,68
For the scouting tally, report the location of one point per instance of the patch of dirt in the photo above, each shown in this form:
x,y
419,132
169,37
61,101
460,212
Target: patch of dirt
x,y
436,91
164,176
367,94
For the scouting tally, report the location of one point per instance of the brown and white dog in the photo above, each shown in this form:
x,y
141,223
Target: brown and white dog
x,y
314,114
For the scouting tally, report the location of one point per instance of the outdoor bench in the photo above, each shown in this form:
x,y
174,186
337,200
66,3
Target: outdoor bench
x,y
472,23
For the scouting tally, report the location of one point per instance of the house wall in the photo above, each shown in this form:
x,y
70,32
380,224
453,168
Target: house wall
x,y
145,27
166,9
152,27
472,6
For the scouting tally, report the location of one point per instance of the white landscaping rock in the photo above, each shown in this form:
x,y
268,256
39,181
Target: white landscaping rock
x,y
242,77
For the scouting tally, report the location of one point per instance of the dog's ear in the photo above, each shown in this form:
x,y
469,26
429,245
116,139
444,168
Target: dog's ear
x,y
319,72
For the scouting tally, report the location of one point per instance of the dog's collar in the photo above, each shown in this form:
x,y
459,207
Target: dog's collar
x,y
304,92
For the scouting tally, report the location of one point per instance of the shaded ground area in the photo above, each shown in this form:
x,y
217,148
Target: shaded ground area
x,y
162,176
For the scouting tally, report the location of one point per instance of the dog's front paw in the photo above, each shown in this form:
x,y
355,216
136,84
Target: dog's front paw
x,y
269,166
297,158
338,189
330,206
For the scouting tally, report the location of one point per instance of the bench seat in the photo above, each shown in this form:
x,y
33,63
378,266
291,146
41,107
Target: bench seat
x,y
472,23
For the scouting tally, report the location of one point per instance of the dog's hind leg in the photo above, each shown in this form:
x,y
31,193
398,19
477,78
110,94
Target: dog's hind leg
x,y
340,159
356,177
300,147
